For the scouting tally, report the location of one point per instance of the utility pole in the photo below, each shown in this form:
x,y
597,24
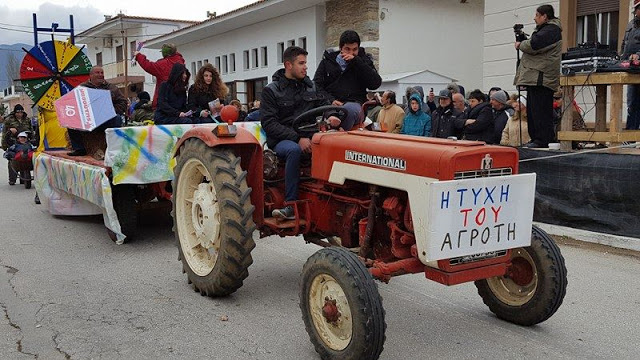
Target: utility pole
x,y
125,57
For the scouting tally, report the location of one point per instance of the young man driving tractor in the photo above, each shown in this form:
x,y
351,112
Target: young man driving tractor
x,y
290,94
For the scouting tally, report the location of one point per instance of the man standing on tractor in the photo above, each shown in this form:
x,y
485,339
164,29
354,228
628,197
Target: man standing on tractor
x,y
161,68
344,76
290,94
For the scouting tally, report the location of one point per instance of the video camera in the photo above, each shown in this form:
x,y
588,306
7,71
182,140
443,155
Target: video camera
x,y
520,35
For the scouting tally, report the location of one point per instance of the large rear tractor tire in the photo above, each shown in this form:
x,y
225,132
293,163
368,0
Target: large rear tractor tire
x,y
341,307
534,286
213,218
126,207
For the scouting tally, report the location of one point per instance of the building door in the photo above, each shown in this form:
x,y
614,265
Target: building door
x,y
255,87
233,92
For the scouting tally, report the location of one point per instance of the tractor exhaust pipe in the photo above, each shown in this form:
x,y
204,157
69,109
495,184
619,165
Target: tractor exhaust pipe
x,y
365,245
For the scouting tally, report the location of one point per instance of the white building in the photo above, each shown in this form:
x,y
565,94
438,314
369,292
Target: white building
x,y
111,44
14,95
404,36
582,21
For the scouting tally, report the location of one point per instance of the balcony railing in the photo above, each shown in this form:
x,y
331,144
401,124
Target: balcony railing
x,y
114,70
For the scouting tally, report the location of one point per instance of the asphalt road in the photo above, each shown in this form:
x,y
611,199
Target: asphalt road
x,y
67,291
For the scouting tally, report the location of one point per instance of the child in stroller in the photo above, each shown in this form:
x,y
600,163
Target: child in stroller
x,y
20,155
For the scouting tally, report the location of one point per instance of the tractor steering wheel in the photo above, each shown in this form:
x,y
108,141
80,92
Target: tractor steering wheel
x,y
306,124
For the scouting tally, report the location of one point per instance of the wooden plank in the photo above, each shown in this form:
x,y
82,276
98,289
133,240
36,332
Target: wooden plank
x,y
566,123
603,136
600,79
615,119
601,108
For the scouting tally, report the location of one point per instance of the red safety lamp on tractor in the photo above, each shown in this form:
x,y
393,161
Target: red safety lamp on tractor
x,y
228,114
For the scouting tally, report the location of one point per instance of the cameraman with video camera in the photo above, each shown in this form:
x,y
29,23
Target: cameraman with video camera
x,y
539,72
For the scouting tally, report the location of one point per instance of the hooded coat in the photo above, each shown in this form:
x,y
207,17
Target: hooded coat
x,y
516,126
172,101
416,123
541,55
160,69
350,85
282,101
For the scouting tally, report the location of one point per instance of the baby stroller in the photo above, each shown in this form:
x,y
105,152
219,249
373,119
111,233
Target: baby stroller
x,y
20,157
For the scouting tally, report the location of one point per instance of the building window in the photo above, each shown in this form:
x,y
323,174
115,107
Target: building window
x,y
245,60
217,63
132,48
199,64
99,59
206,61
193,67
597,22
119,53
225,64
601,28
232,62
254,58
291,43
263,52
302,42
280,52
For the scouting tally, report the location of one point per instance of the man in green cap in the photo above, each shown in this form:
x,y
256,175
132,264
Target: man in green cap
x,y
161,68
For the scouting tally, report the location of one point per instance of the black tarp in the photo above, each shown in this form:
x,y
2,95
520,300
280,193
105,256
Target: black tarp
x,y
591,191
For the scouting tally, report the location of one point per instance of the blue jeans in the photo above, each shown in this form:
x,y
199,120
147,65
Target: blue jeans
x,y
354,115
290,151
633,107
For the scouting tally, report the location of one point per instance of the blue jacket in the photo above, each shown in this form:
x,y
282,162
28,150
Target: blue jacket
x,y
416,123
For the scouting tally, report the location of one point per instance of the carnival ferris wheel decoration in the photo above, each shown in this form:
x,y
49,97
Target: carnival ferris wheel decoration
x,y
51,69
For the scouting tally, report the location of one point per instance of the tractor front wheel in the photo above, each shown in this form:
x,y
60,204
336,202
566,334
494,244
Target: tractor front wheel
x,y
534,286
341,307
213,218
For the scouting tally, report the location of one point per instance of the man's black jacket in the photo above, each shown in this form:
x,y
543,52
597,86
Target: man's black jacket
x,y
443,122
282,101
350,85
482,128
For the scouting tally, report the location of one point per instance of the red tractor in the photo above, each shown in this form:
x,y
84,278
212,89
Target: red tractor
x,y
380,205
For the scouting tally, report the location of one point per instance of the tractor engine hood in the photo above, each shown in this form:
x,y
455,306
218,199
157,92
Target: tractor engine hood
x,y
405,154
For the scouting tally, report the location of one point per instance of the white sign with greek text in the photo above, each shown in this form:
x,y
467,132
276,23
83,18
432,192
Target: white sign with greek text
x,y
474,216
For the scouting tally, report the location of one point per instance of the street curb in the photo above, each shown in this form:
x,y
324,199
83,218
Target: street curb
x,y
622,242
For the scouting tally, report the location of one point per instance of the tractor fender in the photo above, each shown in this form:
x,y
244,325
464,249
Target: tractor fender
x,y
247,148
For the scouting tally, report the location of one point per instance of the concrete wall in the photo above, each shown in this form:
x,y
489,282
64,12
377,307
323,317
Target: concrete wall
x,y
499,54
144,32
294,26
341,15
448,33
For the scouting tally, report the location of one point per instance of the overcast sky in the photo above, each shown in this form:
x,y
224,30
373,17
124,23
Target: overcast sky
x,y
16,19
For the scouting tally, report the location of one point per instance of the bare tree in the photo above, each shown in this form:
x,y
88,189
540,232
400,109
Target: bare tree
x,y
13,69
